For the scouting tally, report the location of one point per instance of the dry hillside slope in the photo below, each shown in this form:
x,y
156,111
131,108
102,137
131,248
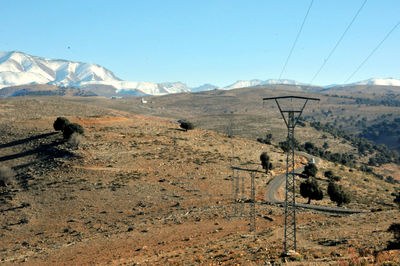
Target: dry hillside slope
x,y
138,189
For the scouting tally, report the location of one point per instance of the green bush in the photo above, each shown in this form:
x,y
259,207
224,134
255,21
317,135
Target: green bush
x,y
266,140
332,178
186,125
71,129
337,194
328,174
395,228
310,170
311,190
266,164
397,199
60,123
6,176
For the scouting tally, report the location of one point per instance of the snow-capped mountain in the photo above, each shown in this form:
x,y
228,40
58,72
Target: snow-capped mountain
x,y
369,82
204,87
257,82
17,68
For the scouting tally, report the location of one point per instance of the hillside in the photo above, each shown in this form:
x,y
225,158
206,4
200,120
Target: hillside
x,y
244,112
137,189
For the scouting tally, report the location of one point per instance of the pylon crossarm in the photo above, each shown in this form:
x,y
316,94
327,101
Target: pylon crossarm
x,y
291,97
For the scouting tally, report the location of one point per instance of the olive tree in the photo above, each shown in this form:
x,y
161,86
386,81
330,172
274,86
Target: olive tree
x,y
311,190
265,162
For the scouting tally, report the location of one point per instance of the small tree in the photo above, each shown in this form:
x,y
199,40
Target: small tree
x,y
60,123
186,125
332,178
311,190
266,140
308,146
310,170
266,164
6,176
395,228
397,200
337,194
71,129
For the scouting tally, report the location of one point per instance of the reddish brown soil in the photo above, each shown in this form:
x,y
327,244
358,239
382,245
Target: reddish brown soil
x,y
138,190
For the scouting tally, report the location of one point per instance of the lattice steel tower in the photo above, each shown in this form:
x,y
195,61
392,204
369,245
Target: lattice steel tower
x,y
291,108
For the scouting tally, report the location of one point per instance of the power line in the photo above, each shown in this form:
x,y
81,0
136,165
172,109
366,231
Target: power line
x,y
297,37
338,42
372,52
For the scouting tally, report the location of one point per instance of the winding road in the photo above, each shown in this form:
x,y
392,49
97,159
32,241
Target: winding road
x,y
277,182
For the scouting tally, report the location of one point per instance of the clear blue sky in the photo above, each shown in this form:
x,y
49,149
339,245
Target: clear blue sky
x,y
208,41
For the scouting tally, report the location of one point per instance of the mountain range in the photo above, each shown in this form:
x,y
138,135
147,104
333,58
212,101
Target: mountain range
x,y
17,68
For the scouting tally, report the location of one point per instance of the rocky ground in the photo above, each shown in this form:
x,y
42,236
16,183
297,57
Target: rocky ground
x,y
139,190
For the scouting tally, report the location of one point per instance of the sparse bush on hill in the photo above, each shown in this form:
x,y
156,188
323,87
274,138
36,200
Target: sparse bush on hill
x,y
71,129
265,162
337,194
382,153
60,123
310,170
266,140
285,146
332,178
397,199
6,175
395,228
311,190
75,140
186,125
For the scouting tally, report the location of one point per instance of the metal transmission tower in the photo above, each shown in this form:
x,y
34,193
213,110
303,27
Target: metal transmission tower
x,y
253,202
291,108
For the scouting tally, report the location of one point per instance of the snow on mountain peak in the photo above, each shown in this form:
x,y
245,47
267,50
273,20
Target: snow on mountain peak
x,y
17,68
257,82
369,82
379,81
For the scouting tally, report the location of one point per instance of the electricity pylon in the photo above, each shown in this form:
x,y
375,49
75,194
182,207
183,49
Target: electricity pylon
x,y
291,108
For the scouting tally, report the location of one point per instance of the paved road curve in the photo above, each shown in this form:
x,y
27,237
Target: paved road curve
x,y
277,182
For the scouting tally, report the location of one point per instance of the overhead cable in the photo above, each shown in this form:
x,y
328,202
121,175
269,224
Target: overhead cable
x,y
372,52
338,42
297,37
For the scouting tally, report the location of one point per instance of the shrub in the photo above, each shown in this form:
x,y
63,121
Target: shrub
x,y
397,200
266,164
60,123
71,129
310,170
75,140
311,190
332,178
328,174
308,146
186,125
6,175
284,145
266,140
395,230
337,194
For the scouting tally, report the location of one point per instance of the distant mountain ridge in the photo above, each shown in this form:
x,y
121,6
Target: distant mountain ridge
x,y
258,82
17,68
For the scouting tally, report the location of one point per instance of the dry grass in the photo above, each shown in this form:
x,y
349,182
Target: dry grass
x,y
139,190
